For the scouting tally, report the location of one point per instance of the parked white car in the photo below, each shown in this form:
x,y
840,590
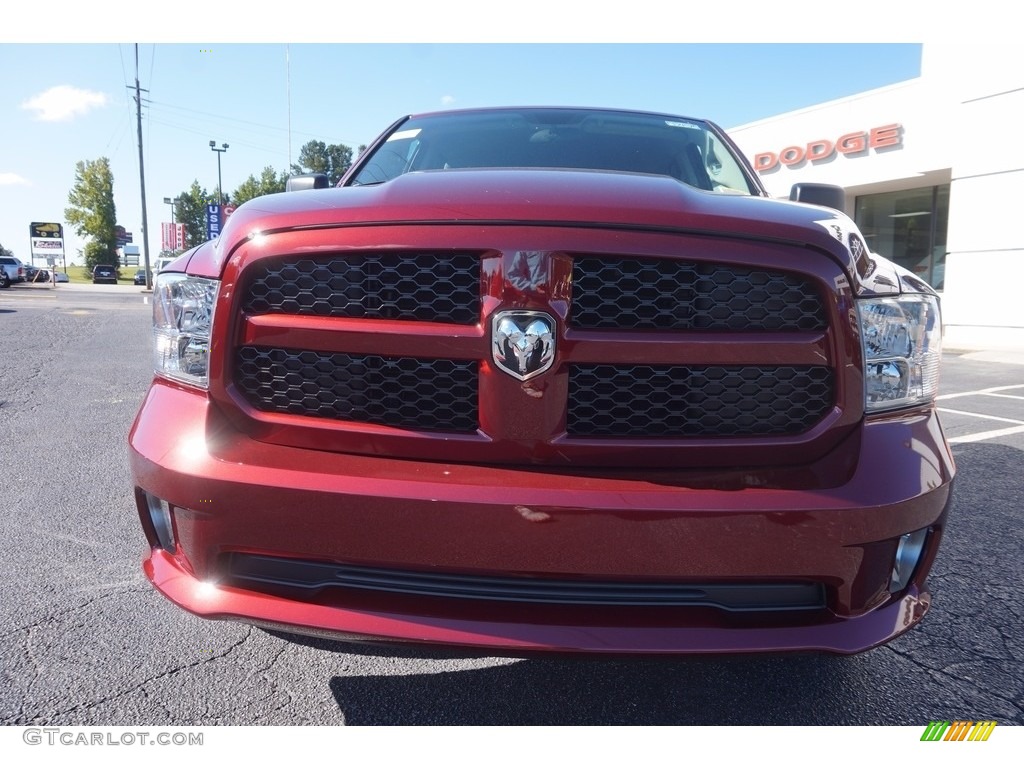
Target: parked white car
x,y
14,271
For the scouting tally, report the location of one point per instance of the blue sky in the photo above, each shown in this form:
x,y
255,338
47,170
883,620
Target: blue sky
x,y
66,102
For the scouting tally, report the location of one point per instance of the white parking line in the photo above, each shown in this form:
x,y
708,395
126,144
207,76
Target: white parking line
x,y
979,436
989,391
982,416
1008,397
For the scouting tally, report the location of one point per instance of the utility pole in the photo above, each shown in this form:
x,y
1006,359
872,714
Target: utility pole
x,y
288,78
142,173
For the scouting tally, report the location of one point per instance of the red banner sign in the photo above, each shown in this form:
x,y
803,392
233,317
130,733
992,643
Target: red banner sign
x,y
173,236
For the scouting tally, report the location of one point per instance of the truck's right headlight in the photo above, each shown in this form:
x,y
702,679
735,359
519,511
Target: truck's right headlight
x,y
182,322
902,350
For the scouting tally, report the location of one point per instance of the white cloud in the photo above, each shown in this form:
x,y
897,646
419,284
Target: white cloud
x,y
10,179
447,100
63,102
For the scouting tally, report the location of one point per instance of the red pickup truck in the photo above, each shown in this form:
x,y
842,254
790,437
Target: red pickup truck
x,y
546,380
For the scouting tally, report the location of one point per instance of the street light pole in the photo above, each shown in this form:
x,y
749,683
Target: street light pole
x,y
170,202
219,150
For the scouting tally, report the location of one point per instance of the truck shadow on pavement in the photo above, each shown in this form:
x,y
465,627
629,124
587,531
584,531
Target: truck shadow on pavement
x,y
592,692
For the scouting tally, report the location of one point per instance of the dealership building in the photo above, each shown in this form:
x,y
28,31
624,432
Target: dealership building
x,y
934,173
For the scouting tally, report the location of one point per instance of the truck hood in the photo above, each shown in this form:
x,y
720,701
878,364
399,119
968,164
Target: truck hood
x,y
541,197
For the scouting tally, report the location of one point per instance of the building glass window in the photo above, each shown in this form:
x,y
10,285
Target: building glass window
x,y
908,227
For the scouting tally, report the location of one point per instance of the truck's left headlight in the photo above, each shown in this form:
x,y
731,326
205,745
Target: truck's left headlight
x,y
902,350
182,322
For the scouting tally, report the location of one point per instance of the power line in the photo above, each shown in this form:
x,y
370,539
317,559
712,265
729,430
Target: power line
x,y
214,125
119,133
278,129
127,101
204,132
152,62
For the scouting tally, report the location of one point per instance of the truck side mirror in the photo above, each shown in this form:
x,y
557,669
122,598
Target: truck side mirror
x,y
828,195
307,181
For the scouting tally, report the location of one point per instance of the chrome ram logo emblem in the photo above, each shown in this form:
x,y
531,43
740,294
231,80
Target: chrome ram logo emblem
x,y
523,343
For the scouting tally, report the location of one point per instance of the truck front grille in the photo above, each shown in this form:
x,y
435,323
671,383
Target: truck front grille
x,y
662,294
396,392
644,349
694,401
440,287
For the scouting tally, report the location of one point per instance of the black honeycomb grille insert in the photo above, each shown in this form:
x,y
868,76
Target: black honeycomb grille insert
x,y
442,287
397,392
682,401
664,294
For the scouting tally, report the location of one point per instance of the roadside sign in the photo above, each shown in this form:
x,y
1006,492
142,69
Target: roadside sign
x,y
123,236
173,236
213,220
46,229
130,255
46,240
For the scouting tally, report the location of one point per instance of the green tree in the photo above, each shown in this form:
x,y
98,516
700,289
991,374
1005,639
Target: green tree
x,y
91,211
269,182
6,252
318,157
191,211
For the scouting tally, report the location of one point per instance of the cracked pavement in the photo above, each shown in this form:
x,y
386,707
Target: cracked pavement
x,y
84,639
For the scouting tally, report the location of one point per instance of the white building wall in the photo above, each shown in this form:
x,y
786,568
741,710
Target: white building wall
x,y
985,265
904,166
959,127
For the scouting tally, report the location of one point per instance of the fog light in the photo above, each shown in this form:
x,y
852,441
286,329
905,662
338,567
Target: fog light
x,y
160,516
908,552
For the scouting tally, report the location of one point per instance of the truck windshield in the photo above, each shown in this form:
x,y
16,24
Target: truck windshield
x,y
685,149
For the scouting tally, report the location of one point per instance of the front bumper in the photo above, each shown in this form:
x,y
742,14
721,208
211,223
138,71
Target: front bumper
x,y
232,496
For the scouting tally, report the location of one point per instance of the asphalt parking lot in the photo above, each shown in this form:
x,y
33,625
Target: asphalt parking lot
x,y
978,414
86,641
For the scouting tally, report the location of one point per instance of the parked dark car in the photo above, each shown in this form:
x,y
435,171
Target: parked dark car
x,y
36,275
140,277
560,380
104,273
